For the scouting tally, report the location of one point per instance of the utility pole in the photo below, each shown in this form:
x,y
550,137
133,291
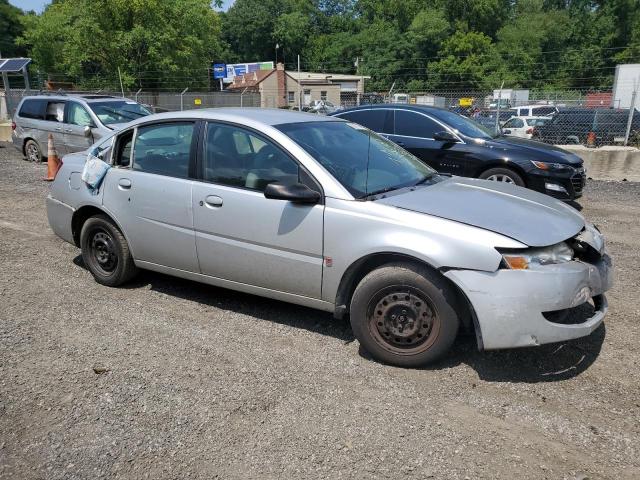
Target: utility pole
x,y
498,109
299,89
632,110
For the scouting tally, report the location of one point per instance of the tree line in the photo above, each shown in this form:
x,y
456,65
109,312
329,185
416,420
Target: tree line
x,y
416,44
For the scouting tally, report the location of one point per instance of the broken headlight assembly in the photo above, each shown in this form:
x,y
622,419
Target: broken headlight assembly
x,y
533,257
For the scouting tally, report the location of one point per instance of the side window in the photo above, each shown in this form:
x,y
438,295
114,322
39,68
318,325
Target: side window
x,y
122,155
78,115
412,124
252,162
377,120
164,149
510,123
525,112
55,112
33,108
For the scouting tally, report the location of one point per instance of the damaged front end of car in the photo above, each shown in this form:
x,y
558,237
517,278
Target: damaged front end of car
x,y
542,294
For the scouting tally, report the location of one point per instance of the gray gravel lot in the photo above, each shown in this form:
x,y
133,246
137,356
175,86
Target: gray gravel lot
x,y
203,382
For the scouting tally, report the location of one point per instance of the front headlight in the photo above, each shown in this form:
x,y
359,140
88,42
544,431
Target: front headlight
x,y
552,167
532,257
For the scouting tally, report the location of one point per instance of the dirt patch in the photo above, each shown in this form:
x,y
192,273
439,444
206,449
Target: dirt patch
x,y
172,379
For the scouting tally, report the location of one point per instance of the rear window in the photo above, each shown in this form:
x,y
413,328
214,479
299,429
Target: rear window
x,y
33,108
378,120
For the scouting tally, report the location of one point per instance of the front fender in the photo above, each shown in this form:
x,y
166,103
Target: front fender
x,y
355,229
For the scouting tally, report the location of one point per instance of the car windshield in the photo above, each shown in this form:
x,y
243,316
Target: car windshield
x,y
363,162
462,124
118,112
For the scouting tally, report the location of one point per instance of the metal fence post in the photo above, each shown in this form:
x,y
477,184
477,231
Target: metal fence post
x,y
632,109
182,98
138,93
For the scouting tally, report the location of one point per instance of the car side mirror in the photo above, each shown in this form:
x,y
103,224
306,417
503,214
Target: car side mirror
x,y
87,131
296,193
506,132
446,137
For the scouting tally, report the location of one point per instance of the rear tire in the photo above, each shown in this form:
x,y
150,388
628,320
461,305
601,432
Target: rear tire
x,y
404,315
105,252
32,151
505,175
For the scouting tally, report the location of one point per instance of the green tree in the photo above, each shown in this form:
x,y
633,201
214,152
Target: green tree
x,y
469,60
154,43
11,28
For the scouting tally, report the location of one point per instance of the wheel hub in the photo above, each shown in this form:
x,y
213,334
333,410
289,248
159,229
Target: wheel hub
x,y
403,319
104,251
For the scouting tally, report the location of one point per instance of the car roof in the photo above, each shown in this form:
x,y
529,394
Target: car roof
x,y
265,116
405,106
88,97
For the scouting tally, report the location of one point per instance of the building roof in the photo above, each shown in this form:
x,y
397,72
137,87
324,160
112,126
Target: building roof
x,y
250,79
316,76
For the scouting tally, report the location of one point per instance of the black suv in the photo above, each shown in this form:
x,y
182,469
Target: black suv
x,y
573,125
454,144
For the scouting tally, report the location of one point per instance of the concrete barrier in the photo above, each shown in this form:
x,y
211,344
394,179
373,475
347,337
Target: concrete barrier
x,y
5,132
609,163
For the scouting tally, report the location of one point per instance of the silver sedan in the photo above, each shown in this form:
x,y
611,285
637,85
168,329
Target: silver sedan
x,y
324,213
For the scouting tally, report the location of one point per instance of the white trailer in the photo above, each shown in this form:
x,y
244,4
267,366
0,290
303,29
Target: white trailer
x,y
509,98
626,81
430,100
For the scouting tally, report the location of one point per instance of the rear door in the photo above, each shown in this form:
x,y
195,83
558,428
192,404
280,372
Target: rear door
x,y
379,120
149,192
77,118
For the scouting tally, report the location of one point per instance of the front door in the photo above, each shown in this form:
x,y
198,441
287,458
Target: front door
x,y
241,235
149,192
414,132
77,118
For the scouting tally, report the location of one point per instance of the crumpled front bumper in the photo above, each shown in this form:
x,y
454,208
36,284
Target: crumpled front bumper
x,y
508,304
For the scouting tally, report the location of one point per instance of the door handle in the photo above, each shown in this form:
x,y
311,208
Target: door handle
x,y
124,184
68,129
213,201
400,143
58,129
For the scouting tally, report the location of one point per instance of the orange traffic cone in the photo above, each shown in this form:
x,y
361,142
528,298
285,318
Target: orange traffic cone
x,y
591,139
53,162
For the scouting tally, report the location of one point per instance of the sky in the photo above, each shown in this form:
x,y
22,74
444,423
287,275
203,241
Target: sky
x,y
38,5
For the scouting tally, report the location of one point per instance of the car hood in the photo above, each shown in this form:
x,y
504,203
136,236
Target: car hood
x,y
529,217
533,150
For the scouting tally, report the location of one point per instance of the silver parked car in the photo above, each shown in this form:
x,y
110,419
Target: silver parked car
x,y
75,121
321,212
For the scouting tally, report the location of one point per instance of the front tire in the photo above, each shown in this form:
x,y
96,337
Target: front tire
x,y
404,315
505,175
105,252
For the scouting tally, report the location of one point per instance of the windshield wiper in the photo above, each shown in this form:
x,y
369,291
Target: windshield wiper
x,y
424,180
379,192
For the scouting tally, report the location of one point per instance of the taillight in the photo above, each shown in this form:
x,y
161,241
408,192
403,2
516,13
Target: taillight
x,y
13,125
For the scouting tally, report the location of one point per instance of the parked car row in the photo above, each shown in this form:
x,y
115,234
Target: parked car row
x,y
454,144
323,212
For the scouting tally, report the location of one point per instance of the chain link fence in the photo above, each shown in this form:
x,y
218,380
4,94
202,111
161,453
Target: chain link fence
x,y
590,118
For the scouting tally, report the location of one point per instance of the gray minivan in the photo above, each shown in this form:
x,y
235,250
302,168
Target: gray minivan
x,y
76,121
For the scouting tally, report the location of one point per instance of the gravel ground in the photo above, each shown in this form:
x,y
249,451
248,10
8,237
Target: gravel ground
x,y
202,382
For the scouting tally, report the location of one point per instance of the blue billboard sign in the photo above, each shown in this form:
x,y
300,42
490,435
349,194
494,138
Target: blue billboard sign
x,y
219,70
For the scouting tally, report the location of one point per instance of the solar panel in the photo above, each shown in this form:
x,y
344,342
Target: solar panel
x,y
13,64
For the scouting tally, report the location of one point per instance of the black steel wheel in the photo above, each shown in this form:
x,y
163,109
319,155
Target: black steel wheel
x,y
105,252
404,314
